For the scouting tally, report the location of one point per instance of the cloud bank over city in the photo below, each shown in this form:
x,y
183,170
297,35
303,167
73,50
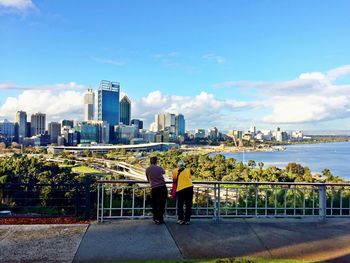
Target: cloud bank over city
x,y
313,97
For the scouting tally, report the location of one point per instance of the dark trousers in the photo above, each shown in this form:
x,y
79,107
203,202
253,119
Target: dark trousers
x,y
184,197
159,195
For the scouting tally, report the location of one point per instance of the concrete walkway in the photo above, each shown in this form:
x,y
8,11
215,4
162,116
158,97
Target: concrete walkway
x,y
275,238
141,240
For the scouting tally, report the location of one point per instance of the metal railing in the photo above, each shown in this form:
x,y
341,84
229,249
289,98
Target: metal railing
x,y
36,199
217,200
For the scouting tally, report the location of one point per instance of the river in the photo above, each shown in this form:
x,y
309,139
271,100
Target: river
x,y
334,156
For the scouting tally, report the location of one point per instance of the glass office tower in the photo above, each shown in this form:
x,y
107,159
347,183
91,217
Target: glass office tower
x,y
125,110
108,102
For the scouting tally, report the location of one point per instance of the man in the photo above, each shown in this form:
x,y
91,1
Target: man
x,y
154,175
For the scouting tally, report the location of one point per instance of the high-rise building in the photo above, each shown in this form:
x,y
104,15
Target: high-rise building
x,y
108,102
38,124
170,122
138,123
89,105
54,131
180,125
7,131
125,110
159,122
21,125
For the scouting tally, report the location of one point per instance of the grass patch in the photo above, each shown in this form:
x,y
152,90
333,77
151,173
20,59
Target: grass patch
x,y
85,170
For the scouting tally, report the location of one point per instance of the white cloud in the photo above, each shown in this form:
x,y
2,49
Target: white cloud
x,y
58,101
214,58
20,5
202,110
311,98
338,72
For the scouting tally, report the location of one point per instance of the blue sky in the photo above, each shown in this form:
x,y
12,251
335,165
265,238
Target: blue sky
x,y
220,63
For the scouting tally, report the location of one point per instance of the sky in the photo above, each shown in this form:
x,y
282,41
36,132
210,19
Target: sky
x,y
229,64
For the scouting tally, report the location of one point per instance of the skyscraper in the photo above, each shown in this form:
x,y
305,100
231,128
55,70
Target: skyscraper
x,y
89,105
108,102
180,125
159,122
38,123
54,131
21,125
125,110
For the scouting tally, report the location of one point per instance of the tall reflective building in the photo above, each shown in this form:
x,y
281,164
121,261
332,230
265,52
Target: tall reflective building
x,y
180,125
125,110
108,102
21,125
89,105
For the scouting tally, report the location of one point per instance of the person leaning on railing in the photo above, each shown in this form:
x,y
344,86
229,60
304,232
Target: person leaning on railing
x,y
154,174
184,193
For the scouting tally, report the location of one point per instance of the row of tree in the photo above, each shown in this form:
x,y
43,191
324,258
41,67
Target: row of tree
x,y
220,168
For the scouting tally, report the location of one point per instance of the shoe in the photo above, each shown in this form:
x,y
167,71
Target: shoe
x,y
180,222
187,223
157,222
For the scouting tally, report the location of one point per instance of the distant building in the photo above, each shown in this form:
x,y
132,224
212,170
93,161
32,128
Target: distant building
x,y
54,129
37,140
199,133
7,131
159,121
125,110
148,136
93,132
125,133
180,125
235,133
69,137
138,123
38,123
213,133
89,105
28,129
108,102
252,130
108,105
67,123
21,125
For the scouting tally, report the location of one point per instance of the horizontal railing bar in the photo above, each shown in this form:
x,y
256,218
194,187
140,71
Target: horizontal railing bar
x,y
225,183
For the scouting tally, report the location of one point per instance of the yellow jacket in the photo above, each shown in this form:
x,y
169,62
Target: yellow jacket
x,y
184,179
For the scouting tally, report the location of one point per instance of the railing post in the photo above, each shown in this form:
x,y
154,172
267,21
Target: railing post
x,y
215,208
218,206
87,196
322,202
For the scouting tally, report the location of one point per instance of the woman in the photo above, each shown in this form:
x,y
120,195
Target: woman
x,y
184,193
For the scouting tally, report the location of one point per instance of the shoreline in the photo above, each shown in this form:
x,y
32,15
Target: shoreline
x,y
210,149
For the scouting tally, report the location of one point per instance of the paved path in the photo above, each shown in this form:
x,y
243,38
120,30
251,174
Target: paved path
x,y
276,238
141,239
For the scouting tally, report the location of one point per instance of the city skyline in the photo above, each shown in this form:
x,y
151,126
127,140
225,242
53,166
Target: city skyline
x,y
229,65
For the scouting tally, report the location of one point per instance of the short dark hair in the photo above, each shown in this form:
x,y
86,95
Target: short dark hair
x,y
153,160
